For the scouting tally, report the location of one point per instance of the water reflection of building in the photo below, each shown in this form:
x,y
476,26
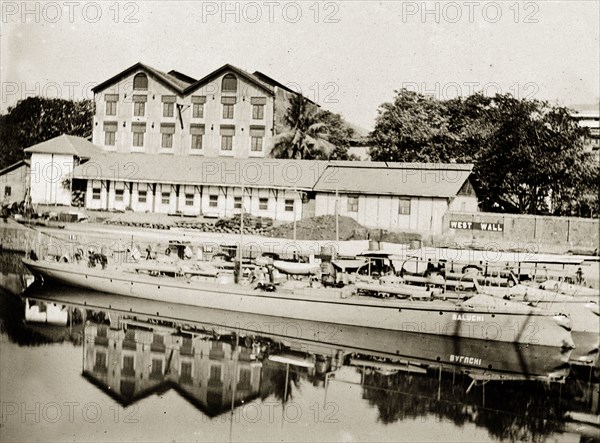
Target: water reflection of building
x,y
134,363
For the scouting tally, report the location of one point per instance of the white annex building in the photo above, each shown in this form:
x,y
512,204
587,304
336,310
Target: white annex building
x,y
52,164
403,196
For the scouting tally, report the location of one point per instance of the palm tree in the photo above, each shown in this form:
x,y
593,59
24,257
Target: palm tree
x,y
307,136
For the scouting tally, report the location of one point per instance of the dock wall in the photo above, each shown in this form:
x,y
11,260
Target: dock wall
x,y
547,234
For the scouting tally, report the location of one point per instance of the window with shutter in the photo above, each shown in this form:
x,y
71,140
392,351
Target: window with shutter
x,y
352,203
138,130
167,130
197,132
257,134
227,134
404,206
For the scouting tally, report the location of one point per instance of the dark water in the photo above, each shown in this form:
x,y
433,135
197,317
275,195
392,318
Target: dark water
x,y
127,370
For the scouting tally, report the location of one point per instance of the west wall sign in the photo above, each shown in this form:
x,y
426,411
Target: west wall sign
x,y
476,226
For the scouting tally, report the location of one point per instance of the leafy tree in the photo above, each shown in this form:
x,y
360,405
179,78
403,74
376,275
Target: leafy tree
x,y
37,119
305,132
411,129
585,199
469,124
339,135
528,155
534,153
312,133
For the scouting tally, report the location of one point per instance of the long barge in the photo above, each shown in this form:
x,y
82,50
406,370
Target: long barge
x,y
480,317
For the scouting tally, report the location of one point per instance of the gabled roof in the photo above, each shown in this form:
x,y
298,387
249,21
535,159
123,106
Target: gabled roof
x,y
246,75
272,82
67,144
409,179
14,166
180,76
173,82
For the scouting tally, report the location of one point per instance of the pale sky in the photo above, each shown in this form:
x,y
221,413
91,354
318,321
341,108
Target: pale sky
x,y
348,56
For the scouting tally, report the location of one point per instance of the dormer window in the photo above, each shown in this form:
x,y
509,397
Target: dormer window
x,y
229,83
140,82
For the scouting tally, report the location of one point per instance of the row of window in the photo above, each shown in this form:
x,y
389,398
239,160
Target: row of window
x,y
403,207
156,370
213,200
257,134
263,203
139,108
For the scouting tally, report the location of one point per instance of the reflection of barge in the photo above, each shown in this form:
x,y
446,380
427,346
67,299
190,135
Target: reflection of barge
x,y
480,317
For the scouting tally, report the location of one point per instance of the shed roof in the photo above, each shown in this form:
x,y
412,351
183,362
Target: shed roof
x,y
67,144
195,170
14,166
376,178
410,179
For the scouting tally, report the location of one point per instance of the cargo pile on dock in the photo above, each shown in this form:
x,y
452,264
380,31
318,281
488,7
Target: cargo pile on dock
x,y
138,224
321,228
252,225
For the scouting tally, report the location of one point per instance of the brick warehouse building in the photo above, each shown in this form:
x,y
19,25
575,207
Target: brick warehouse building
x,y
228,113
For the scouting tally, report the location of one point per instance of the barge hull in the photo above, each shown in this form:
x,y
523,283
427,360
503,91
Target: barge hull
x,y
518,324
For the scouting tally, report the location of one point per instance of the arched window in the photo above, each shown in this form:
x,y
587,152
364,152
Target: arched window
x,y
229,83
140,82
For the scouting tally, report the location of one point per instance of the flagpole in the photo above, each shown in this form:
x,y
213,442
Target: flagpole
x,y
295,195
337,210
241,238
